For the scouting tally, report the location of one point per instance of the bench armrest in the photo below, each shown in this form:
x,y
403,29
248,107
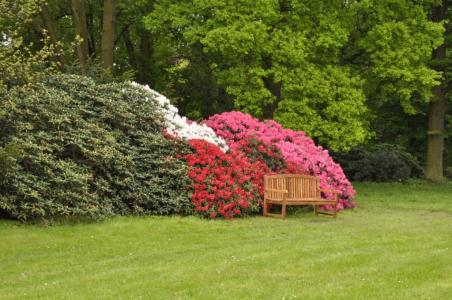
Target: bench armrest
x,y
335,192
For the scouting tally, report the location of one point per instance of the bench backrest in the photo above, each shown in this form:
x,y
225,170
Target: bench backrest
x,y
298,186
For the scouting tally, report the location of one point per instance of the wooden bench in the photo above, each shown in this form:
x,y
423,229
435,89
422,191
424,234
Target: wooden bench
x,y
291,189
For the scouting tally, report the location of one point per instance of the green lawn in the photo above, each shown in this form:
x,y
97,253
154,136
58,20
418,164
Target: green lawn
x,y
397,244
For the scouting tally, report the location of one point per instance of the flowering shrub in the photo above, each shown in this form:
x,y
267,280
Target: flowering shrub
x,y
298,150
225,184
265,146
269,157
256,150
181,126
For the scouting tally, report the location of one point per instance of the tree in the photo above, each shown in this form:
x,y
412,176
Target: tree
x,y
52,31
391,46
401,53
23,60
274,59
108,35
438,107
81,32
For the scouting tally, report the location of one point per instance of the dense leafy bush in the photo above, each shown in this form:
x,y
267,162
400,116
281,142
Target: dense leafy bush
x,y
88,150
268,154
295,146
380,162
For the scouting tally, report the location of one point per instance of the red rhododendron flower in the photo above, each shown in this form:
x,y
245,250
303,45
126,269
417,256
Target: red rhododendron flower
x,y
226,184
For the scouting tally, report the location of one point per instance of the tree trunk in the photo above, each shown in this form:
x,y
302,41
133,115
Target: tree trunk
x,y
51,29
91,29
81,31
108,35
146,52
275,89
435,136
130,48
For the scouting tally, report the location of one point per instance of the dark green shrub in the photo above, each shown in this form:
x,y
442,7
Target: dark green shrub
x,y
380,162
256,150
88,150
448,172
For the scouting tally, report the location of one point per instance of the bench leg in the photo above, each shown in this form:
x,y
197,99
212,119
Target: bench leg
x,y
332,213
265,212
283,211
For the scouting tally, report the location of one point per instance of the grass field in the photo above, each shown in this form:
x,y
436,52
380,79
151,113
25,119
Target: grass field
x,y
397,244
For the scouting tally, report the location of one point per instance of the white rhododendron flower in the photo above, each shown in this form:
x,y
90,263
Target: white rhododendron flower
x,y
181,126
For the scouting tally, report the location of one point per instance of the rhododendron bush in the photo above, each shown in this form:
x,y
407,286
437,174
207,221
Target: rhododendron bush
x,y
231,152
226,184
256,150
295,146
231,184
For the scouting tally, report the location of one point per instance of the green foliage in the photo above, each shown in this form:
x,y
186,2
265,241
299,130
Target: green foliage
x,y
395,44
20,65
274,59
87,150
16,14
326,67
379,162
8,158
95,72
256,150
335,115
21,62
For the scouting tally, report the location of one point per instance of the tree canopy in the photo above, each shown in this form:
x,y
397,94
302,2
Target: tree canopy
x,y
346,72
